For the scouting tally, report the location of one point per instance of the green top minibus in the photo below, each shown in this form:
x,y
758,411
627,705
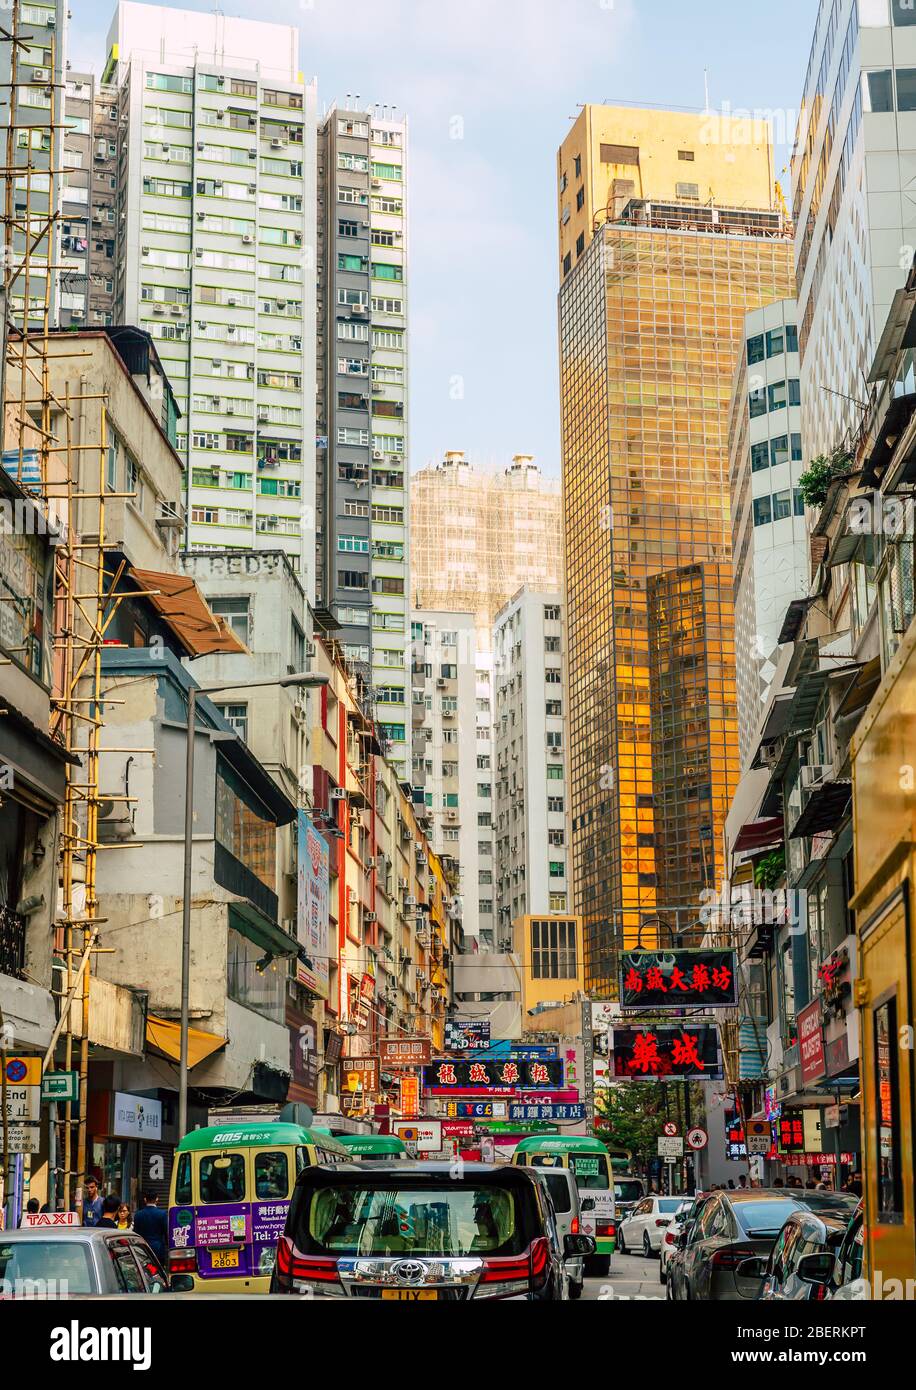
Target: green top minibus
x,y
230,1192
589,1161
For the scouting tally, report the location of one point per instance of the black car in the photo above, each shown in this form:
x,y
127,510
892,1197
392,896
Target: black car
x,y
423,1232
802,1261
732,1228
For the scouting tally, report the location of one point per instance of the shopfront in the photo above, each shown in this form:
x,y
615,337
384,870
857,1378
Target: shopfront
x,y
127,1152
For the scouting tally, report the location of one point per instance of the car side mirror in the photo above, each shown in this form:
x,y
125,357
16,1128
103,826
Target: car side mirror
x,y
754,1267
574,1246
587,1204
817,1268
682,1238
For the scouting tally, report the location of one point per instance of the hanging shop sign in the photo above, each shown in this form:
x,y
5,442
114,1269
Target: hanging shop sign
x,y
464,1033
136,1117
790,1132
409,1091
547,1112
502,1078
811,1044
360,1074
678,979
667,1053
477,1109
404,1052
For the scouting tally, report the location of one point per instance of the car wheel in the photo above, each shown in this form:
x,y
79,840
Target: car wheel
x,y
646,1245
621,1242
596,1266
662,1275
575,1291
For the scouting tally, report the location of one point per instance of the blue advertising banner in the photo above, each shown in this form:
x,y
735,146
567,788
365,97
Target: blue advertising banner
x,y
546,1112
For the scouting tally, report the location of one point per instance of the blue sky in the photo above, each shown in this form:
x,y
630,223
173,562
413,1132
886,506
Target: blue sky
x,y
506,76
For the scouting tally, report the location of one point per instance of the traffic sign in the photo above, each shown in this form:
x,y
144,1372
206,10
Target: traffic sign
x,y
697,1138
60,1086
670,1148
669,1128
758,1136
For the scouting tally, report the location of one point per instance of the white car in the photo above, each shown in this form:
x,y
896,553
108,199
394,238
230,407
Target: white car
x,y
647,1223
669,1240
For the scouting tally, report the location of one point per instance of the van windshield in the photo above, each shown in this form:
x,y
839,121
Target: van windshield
x,y
452,1220
222,1178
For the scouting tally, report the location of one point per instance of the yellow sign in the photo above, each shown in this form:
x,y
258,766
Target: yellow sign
x,y
23,1071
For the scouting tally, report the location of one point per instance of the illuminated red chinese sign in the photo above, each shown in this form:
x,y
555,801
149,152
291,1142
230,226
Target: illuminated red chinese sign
x,y
500,1077
678,979
666,1051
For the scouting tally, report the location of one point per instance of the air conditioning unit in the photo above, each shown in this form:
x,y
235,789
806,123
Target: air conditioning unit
x,y
175,309
403,882
277,144
40,77
158,309
337,794
440,684
200,144
252,154
230,408
409,900
220,115
376,183
451,815
377,454
144,250
231,300
247,239
252,188
77,313
263,412
810,777
201,216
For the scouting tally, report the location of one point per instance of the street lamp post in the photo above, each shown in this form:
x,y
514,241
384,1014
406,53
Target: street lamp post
x,y
305,678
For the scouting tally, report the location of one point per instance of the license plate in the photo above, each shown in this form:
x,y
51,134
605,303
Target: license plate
x,y
411,1295
224,1259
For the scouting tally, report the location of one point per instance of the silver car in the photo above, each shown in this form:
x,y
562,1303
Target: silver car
x,y
76,1262
566,1199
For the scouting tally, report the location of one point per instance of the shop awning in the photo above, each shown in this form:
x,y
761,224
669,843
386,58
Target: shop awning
x,y
824,810
179,601
165,1036
759,834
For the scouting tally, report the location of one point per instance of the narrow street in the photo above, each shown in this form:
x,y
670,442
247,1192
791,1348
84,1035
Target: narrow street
x,y
631,1276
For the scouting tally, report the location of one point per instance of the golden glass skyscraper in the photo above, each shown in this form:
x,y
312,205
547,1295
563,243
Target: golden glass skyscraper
x,y
651,313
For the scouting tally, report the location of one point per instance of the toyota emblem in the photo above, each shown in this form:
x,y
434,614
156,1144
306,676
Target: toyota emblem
x,y
410,1271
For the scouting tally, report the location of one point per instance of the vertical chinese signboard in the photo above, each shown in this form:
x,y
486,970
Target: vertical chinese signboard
x,y
410,1096
811,1043
312,909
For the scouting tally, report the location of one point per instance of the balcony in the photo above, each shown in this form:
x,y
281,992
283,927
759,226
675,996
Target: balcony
x,y
12,944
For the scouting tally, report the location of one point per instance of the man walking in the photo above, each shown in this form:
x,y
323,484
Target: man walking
x,y
152,1223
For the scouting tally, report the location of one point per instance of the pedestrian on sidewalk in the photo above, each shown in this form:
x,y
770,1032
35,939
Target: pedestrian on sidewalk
x,y
123,1217
152,1223
92,1203
109,1217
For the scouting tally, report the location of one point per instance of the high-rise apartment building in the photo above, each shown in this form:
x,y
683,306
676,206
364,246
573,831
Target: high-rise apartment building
x,y
453,758
614,154
363,498
478,537
531,759
89,197
855,223
216,239
651,321
769,538
32,79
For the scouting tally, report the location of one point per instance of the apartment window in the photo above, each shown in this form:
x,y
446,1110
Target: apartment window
x,y
580,244
755,349
553,675
567,263
352,579
791,338
687,156
558,902
555,772
580,200
782,504
484,790
794,392
554,738
353,545
689,191
556,803
237,716
779,450
485,906
777,397
757,403
248,983
554,709
484,820
796,448
297,646
551,644
556,837
760,457
111,463
483,763
762,511
236,612
553,950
